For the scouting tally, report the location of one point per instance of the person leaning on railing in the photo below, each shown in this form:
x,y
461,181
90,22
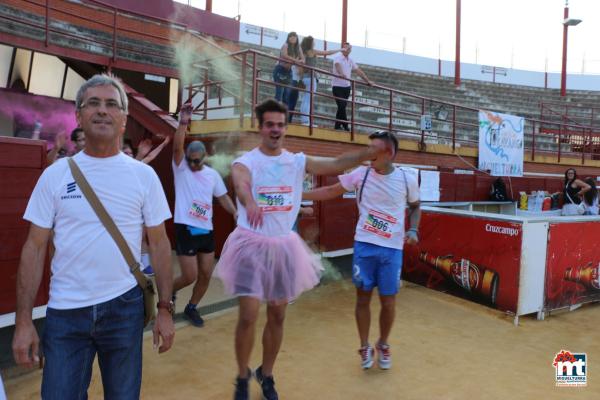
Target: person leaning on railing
x,y
310,56
343,65
282,74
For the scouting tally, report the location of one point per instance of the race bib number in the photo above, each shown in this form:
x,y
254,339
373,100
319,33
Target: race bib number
x,y
379,224
200,210
275,198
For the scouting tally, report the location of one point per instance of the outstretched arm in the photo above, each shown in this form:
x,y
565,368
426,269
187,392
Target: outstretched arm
x,y
326,52
185,116
325,192
152,155
332,166
364,76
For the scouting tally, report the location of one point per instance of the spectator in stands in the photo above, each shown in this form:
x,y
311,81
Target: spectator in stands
x,y
590,198
146,156
573,192
60,146
96,306
78,138
282,74
310,56
343,66
58,150
144,152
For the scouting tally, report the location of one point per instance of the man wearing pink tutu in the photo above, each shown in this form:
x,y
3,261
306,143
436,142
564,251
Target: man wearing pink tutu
x,y
383,192
263,259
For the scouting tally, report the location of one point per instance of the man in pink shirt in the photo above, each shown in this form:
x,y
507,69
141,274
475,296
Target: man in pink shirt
x,y
343,66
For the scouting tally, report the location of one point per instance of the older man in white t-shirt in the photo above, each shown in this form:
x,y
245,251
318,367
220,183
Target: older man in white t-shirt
x,y
343,66
382,193
96,305
196,184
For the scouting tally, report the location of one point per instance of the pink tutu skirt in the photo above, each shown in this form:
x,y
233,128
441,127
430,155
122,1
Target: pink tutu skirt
x,y
272,269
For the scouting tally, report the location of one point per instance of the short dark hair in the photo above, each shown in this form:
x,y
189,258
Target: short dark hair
x,y
270,105
75,133
388,137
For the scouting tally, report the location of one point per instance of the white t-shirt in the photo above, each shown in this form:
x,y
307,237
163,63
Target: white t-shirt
x,y
194,191
277,189
87,267
348,65
383,204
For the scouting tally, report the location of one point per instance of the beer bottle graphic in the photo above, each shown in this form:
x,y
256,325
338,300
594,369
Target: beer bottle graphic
x,y
588,276
481,282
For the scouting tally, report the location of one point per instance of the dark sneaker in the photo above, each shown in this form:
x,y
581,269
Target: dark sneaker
x,y
267,384
191,313
241,388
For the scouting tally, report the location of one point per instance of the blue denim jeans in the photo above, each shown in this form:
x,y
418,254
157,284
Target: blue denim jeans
x,y
72,338
282,76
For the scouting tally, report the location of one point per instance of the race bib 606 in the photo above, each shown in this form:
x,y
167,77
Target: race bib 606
x,y
379,224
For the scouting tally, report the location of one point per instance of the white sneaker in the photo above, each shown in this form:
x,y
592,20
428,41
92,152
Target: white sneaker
x,y
384,356
366,356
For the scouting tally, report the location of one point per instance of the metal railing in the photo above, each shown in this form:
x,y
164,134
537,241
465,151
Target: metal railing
x,y
578,113
108,33
400,112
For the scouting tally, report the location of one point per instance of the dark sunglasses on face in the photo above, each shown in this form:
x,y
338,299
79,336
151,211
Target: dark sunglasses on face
x,y
196,161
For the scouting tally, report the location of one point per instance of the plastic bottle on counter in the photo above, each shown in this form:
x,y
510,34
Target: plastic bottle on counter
x,y
547,204
522,200
540,200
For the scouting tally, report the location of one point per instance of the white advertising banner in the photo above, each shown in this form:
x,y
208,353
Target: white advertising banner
x,y
501,143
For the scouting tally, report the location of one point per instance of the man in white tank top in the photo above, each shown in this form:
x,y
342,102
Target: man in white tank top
x,y
382,193
268,184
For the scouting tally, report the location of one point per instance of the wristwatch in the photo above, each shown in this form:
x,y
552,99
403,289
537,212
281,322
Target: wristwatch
x,y
167,305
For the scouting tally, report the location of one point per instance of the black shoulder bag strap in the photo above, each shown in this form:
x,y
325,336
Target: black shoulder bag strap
x,y
362,186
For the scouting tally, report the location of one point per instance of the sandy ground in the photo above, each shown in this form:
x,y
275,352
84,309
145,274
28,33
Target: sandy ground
x,y
443,348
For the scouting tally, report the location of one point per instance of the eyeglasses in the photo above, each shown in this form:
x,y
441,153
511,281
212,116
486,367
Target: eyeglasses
x,y
109,105
196,161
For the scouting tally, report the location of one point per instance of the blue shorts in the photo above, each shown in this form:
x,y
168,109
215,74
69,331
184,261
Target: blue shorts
x,y
374,265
